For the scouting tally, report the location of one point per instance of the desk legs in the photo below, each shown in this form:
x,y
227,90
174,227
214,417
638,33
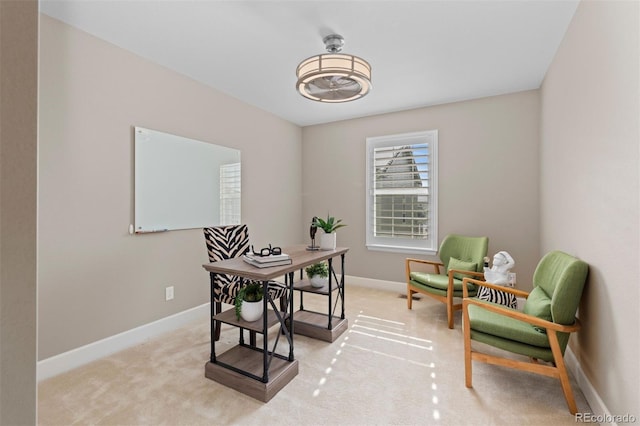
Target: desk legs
x,y
215,326
341,287
331,276
265,348
290,311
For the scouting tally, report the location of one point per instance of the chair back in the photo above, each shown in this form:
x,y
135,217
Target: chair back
x,y
226,242
468,249
562,277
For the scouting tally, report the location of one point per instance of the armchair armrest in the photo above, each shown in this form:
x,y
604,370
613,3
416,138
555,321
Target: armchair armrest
x,y
510,290
464,281
436,265
462,271
548,325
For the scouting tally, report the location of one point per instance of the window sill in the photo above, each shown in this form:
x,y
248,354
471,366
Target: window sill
x,y
401,249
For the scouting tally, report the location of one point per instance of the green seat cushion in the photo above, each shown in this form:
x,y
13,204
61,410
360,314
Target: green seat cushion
x,y
538,304
501,326
537,352
455,263
440,282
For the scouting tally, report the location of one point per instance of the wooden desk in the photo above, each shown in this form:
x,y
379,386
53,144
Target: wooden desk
x,y
233,367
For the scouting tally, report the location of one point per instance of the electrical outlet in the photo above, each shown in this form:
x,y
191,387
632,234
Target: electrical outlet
x,y
168,293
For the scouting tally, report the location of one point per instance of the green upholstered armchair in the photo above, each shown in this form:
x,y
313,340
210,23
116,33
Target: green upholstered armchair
x,y
460,256
541,331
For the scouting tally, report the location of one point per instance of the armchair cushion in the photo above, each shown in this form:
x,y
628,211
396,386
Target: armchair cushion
x,y
562,278
439,282
455,263
494,324
538,304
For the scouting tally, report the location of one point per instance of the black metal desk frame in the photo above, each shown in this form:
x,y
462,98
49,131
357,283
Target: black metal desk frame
x,y
267,323
328,291
286,366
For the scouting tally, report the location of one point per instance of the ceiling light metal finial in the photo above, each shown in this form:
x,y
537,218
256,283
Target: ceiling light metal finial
x,y
333,77
334,43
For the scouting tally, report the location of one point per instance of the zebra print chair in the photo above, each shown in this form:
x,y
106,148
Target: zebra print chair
x,y
228,242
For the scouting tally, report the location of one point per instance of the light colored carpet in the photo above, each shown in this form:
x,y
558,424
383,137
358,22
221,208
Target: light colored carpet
x,y
392,366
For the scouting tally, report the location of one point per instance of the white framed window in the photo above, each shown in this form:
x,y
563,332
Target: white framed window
x,y
402,192
230,194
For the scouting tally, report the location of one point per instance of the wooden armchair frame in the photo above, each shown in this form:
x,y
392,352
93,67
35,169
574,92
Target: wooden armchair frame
x,y
556,369
448,299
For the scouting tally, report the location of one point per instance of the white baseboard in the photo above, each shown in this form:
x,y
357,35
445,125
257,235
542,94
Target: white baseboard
x,y
74,358
598,407
377,284
93,351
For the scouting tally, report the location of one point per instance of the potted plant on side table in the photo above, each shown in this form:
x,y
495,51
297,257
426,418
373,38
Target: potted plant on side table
x,y
318,274
248,302
329,226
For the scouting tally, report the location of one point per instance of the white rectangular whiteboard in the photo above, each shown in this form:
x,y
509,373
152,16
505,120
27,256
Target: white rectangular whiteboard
x,y
178,181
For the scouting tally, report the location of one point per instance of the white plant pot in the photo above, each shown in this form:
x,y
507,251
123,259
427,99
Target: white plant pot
x,y
251,311
328,241
318,281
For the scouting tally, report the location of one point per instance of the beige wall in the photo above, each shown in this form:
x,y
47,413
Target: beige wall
x,y
590,187
576,192
96,280
18,186
488,177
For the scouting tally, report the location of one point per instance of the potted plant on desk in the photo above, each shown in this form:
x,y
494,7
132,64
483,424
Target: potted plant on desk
x,y
318,274
248,302
329,226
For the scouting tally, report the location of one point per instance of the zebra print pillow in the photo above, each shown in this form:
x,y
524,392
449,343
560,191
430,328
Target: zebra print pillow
x,y
497,296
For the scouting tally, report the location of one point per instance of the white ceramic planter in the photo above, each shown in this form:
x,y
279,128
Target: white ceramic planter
x,y
328,241
251,311
318,281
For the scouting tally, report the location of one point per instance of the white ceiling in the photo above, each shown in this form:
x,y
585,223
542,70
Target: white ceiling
x,y
421,52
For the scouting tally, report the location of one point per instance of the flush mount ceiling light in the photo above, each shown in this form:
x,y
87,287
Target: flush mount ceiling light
x,y
333,77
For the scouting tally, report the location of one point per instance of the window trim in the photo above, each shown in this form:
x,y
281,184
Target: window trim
x,y
397,245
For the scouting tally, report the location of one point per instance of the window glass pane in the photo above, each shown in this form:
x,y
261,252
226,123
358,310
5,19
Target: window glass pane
x,y
401,199
230,194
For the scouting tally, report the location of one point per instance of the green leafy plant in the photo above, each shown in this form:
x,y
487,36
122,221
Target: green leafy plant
x,y
329,225
317,269
251,292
